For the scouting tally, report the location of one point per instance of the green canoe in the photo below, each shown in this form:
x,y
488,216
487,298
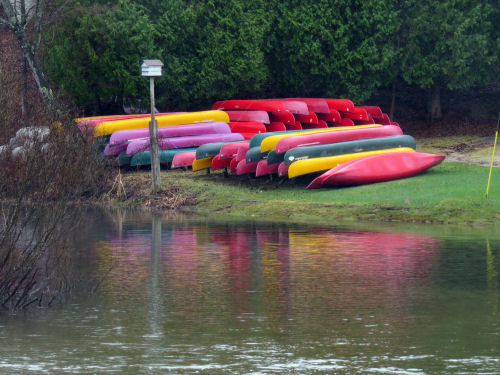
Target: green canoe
x,y
166,156
347,147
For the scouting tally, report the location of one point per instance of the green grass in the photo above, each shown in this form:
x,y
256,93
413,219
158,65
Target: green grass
x,y
450,193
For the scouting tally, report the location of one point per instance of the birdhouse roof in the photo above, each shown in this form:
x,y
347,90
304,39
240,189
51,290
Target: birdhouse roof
x,y
152,63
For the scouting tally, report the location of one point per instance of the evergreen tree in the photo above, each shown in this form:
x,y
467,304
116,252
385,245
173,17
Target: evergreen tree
x,y
96,53
211,50
331,47
447,44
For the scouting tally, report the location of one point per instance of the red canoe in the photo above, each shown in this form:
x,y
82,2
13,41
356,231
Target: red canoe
x,y
385,120
261,105
230,150
311,118
218,163
292,141
294,106
286,118
318,125
346,122
263,168
357,113
295,126
276,126
247,127
260,116
377,168
243,167
340,104
333,116
373,110
232,165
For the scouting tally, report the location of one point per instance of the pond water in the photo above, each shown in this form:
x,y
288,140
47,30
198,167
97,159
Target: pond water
x,y
181,296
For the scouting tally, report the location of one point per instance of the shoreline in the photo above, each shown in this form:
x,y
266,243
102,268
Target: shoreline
x,y
451,193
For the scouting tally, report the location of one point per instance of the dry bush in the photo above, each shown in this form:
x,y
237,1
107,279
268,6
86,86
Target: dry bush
x,y
43,169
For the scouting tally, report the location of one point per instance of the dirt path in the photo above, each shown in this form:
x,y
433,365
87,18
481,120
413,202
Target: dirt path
x,y
467,150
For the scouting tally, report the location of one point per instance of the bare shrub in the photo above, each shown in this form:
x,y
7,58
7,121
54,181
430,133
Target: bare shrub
x,y
43,169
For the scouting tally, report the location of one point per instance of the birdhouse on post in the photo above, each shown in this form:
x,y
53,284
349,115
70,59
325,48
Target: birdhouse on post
x,y
151,68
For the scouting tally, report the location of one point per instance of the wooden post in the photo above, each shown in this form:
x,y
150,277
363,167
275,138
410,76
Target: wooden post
x,y
153,141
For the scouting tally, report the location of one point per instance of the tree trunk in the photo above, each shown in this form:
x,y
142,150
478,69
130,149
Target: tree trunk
x,y
434,103
393,101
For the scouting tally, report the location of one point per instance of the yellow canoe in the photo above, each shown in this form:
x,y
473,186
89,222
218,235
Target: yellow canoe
x,y
301,167
109,127
204,163
269,143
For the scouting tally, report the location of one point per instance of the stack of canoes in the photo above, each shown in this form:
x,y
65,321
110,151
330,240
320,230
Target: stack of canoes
x,y
127,136
332,141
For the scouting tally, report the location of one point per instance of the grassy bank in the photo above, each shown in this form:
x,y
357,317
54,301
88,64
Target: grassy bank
x,y
450,193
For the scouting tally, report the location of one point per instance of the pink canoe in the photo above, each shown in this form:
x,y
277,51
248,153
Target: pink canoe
x,y
263,168
183,159
122,136
292,141
295,106
181,142
243,167
260,116
242,152
377,168
230,150
283,169
314,104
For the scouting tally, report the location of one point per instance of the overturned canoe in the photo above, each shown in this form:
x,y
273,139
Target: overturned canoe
x,y
302,167
270,143
144,158
263,168
213,148
179,142
199,164
183,159
283,144
230,150
218,163
346,147
377,168
123,136
260,116
109,127
243,167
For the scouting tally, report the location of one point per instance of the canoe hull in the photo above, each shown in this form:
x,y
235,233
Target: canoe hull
x,y
109,127
308,166
377,168
342,134
346,147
